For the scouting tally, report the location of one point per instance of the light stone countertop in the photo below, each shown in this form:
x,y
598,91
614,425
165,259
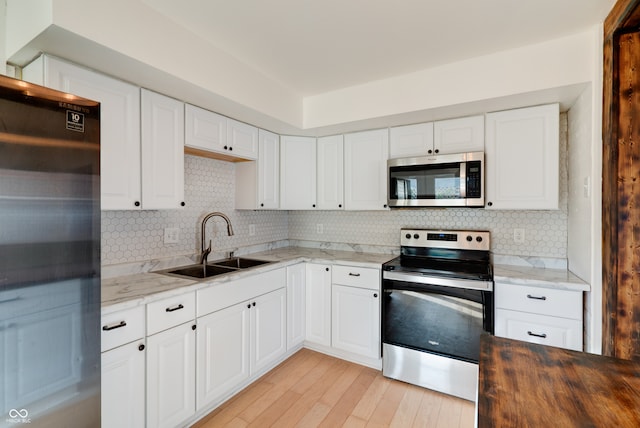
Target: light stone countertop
x,y
560,279
129,291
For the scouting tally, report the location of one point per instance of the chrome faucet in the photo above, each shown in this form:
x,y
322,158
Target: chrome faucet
x,y
205,252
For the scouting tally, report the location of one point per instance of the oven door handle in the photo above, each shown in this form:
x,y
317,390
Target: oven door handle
x,y
433,280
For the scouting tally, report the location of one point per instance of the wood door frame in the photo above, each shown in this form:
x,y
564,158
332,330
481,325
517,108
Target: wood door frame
x,y
617,306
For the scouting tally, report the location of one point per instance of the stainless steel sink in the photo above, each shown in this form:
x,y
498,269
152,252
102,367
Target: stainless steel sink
x,y
219,267
238,262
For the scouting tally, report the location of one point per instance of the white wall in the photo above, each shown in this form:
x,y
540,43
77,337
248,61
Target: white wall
x,y
552,64
25,20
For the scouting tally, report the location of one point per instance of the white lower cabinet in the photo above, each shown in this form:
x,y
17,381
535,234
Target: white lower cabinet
x,y
355,323
539,315
318,304
238,342
123,382
171,376
296,276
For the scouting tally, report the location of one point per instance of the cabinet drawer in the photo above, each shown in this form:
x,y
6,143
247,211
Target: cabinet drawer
x,y
122,327
356,277
542,329
538,300
170,312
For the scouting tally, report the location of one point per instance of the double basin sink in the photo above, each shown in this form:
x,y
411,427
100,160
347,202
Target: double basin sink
x,y
219,267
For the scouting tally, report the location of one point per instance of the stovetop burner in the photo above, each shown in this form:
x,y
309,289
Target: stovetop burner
x,y
449,254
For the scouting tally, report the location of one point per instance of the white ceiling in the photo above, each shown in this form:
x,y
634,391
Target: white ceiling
x,y
315,46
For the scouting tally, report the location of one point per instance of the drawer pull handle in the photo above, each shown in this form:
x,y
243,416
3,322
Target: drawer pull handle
x,y
536,297
175,308
113,327
353,274
543,335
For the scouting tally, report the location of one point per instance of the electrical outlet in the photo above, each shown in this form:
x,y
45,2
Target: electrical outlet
x,y
319,229
171,235
518,236
252,230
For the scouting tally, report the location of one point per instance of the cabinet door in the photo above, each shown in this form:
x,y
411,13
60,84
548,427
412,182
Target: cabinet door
x,y
268,329
119,128
542,329
171,375
297,173
222,352
522,158
330,152
411,140
461,135
318,304
242,139
365,170
123,380
205,130
162,151
268,170
355,324
295,305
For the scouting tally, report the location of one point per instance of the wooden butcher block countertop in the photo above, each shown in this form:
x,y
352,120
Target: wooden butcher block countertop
x,y
528,385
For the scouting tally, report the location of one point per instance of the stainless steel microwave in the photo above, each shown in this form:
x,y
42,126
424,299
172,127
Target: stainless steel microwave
x,y
452,180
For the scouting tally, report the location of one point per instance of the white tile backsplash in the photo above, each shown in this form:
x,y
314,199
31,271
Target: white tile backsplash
x,y
137,236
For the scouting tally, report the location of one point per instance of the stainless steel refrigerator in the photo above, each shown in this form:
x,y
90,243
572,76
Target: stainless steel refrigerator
x,y
49,258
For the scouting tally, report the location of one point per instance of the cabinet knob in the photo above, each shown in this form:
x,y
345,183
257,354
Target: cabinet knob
x,y
253,304
375,294
226,147
327,269
262,205
339,205
490,204
248,305
384,206
429,151
193,327
437,151
136,203
182,204
314,205
230,148
141,347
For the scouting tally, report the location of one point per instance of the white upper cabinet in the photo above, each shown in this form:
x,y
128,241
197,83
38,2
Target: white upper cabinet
x,y
365,170
522,158
411,141
258,182
297,173
242,139
461,135
330,151
119,125
162,133
205,130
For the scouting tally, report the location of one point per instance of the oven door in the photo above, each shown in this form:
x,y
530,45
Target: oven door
x,y
437,319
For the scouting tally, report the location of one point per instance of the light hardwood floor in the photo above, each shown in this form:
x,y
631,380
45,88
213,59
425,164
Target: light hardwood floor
x,y
315,390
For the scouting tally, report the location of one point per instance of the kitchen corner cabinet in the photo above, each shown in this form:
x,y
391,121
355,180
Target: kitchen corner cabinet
x,y
295,305
258,182
539,315
162,132
522,158
330,173
365,170
318,304
297,173
120,151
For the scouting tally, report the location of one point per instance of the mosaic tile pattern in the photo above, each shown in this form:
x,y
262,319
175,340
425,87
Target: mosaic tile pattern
x,y
129,236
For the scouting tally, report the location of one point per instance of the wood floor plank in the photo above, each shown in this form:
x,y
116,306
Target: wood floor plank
x,y
315,390
349,399
408,408
371,398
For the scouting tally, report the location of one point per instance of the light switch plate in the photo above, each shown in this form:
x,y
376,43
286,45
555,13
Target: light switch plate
x,y
171,235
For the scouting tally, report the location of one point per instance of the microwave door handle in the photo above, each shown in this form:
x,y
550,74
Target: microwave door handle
x,y
463,180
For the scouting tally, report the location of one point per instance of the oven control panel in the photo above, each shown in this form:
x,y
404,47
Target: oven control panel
x,y
451,239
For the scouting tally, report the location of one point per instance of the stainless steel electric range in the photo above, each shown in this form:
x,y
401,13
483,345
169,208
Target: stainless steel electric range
x,y
437,301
